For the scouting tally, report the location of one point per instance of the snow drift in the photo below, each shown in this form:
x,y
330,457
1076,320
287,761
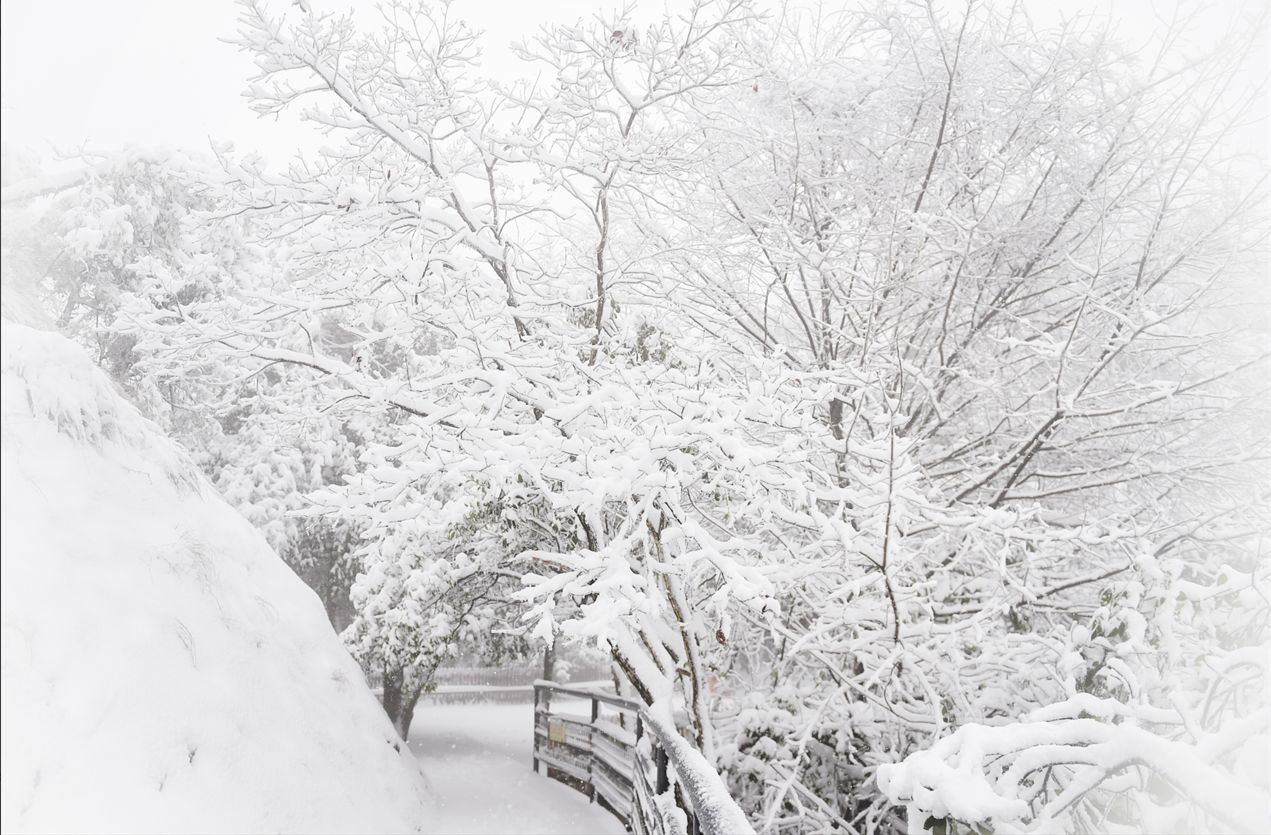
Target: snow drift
x,y
163,670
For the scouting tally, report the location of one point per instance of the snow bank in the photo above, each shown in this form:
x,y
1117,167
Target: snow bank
x,y
162,669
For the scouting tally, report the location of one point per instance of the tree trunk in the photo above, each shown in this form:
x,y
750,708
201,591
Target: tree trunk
x,y
398,703
329,602
406,715
399,700
392,698
549,670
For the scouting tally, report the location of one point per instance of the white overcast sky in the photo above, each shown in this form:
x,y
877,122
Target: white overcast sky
x,y
104,73
157,72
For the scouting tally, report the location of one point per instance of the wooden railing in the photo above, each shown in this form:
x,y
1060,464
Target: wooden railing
x,y
630,763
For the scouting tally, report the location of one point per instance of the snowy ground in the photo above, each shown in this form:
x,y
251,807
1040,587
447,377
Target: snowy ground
x,y
477,758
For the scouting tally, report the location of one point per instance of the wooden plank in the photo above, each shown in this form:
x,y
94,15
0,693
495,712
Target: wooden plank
x,y
617,766
617,797
573,740
574,737
616,732
570,768
621,784
571,718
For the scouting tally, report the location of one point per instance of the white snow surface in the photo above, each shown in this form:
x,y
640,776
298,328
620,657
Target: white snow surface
x,y
163,670
478,758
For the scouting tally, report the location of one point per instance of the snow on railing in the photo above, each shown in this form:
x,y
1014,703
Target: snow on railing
x,y
633,761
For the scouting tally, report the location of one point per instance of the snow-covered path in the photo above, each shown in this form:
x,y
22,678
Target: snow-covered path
x,y
477,758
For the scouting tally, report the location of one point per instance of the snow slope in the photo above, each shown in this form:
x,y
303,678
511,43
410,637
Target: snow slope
x,y
162,669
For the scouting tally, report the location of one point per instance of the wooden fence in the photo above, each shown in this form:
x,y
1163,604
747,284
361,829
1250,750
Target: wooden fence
x,y
628,763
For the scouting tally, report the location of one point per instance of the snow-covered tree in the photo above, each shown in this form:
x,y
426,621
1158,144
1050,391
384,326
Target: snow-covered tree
x,y
994,245
416,232
845,377
115,241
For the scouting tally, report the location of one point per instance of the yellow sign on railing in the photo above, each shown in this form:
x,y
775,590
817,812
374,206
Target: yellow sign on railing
x,y
556,731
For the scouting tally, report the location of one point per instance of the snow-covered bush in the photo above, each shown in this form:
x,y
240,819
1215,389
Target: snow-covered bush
x,y
1165,727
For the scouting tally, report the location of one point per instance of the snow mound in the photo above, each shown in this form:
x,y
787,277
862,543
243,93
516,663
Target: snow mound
x,y
162,669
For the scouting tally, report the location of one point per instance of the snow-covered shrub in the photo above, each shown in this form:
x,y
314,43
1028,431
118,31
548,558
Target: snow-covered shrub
x,y
1165,726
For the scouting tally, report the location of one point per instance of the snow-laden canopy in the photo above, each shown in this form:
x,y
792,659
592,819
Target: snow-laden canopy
x,y
163,670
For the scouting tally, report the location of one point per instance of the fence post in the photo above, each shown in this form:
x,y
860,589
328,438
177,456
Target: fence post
x,y
591,742
535,746
659,758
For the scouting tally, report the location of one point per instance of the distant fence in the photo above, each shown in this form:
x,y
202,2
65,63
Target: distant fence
x,y
501,685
